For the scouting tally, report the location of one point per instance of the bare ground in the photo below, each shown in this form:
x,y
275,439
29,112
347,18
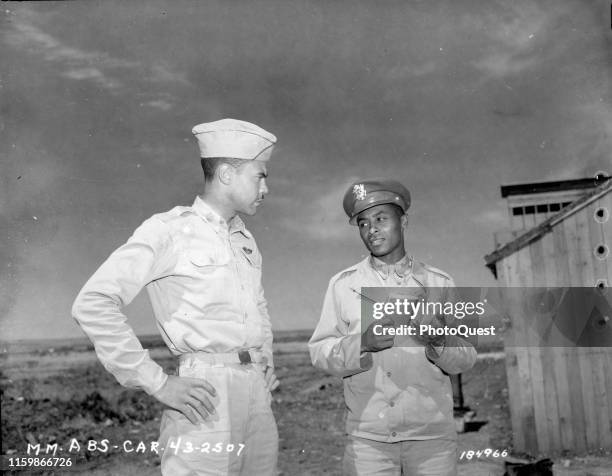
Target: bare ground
x,y
59,396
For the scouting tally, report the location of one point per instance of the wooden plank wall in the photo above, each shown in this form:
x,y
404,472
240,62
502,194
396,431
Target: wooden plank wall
x,y
519,383
560,397
599,359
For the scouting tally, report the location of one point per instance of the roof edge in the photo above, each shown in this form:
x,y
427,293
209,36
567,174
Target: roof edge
x,y
556,186
546,226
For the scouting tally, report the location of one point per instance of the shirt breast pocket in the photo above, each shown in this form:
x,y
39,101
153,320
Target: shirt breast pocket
x,y
210,290
207,261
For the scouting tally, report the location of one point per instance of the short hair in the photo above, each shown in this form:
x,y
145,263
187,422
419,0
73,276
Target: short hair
x,y
211,164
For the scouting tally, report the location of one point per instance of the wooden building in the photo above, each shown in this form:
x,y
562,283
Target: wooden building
x,y
560,236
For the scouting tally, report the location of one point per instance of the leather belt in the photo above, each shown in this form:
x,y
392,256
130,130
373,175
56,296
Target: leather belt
x,y
242,357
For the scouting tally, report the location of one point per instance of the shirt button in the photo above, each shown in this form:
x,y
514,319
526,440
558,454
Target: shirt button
x,y
392,404
388,374
394,434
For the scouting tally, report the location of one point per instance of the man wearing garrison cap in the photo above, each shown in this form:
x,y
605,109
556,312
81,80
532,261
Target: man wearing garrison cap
x,y
202,270
397,392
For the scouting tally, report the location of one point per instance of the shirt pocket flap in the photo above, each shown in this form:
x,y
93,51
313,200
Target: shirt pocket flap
x,y
202,258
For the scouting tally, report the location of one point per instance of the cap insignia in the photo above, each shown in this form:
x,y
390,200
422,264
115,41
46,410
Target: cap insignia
x,y
359,191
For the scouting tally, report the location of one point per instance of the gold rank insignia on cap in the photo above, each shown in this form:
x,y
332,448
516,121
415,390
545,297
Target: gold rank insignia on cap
x,y
359,191
368,193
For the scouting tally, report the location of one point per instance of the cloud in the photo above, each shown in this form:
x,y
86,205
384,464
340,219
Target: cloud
x,y
92,74
99,67
26,35
514,38
162,100
160,104
163,73
76,62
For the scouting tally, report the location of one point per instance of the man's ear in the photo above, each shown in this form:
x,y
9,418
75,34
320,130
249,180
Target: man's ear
x,y
404,221
225,173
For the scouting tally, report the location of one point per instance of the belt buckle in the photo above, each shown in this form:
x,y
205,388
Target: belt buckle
x,y
245,357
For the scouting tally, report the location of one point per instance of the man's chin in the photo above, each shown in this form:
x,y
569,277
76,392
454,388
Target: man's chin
x,y
249,211
377,252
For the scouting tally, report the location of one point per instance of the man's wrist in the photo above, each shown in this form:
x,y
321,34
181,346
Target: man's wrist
x,y
160,386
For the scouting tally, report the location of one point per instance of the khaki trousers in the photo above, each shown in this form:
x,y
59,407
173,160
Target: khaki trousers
x,y
364,457
240,438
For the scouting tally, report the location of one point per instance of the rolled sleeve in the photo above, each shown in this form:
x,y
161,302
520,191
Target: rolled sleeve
x,y
333,346
457,356
98,305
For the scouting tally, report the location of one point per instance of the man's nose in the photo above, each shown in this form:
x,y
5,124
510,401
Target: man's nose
x,y
263,189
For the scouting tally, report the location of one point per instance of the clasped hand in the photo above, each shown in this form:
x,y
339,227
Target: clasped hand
x,y
432,322
372,341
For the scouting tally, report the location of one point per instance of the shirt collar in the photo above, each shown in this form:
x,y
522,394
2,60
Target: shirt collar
x,y
205,211
400,269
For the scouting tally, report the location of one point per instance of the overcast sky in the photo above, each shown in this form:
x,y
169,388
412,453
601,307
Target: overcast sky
x,y
453,98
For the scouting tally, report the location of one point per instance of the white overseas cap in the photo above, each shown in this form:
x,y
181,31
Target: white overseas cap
x,y
235,139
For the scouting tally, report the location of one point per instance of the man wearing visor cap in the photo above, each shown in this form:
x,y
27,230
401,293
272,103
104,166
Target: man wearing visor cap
x,y
398,397
202,270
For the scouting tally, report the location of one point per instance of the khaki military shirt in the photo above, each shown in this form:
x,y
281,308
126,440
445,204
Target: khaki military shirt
x,y
203,277
400,393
